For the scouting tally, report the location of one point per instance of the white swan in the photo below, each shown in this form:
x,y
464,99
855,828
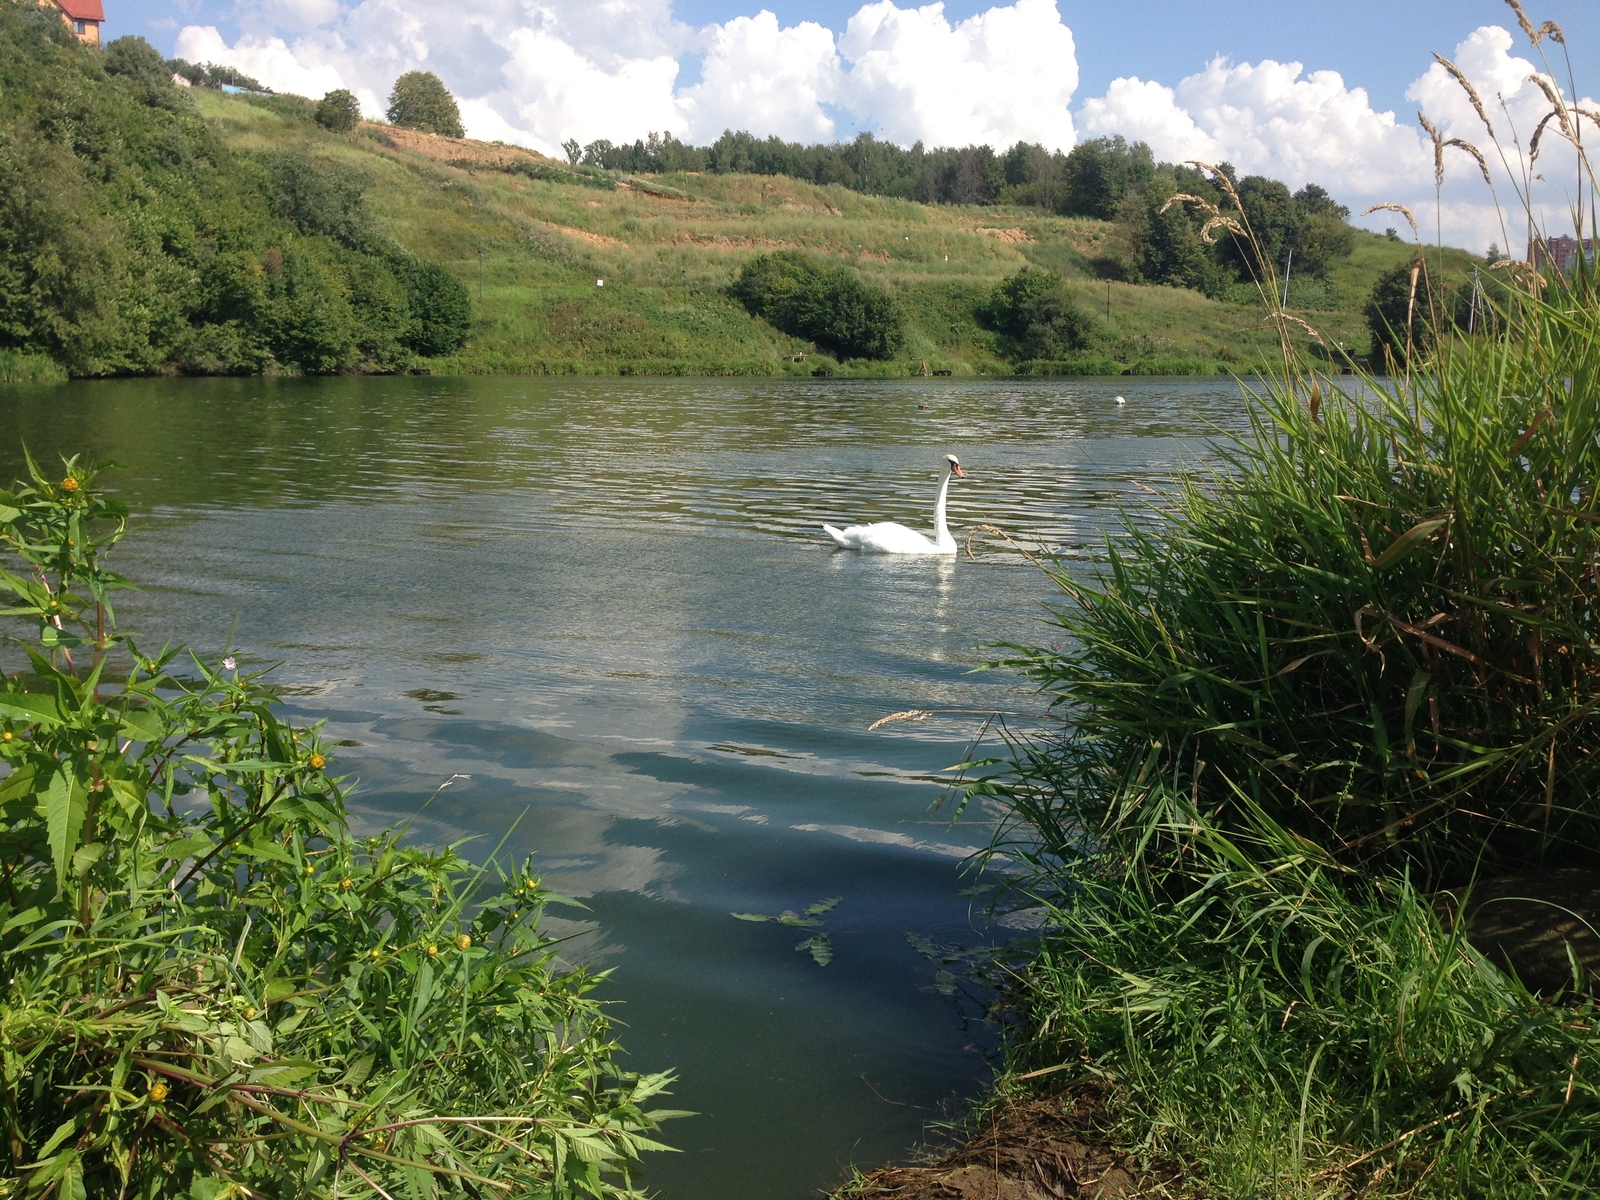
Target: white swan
x,y
890,537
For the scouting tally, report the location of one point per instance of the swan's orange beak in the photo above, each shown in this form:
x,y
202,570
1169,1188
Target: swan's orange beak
x,y
955,469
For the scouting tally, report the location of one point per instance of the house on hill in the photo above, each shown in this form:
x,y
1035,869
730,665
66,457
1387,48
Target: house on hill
x,y
84,16
1560,252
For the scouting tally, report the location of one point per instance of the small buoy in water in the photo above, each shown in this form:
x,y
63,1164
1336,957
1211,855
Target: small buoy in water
x,y
924,407
1122,399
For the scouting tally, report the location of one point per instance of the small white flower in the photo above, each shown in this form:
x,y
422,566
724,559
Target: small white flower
x,y
229,663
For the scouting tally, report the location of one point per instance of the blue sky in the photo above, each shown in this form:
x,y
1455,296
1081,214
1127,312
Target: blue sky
x,y
1375,45
1197,79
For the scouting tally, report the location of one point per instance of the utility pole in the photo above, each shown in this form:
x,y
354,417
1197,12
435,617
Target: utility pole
x,y
1287,267
1108,301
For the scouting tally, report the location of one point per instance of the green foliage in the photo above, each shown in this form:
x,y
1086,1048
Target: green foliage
x,y
1349,669
1099,173
830,306
213,75
1166,237
212,986
1037,315
1397,314
1285,1031
339,111
137,60
141,244
421,101
29,368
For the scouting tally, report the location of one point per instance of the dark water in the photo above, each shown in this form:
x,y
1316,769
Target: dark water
x,y
604,611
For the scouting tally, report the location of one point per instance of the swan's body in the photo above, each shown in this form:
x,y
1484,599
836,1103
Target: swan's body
x,y
1122,399
890,537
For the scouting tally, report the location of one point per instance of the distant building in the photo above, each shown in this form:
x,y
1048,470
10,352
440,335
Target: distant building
x,y
1560,253
83,16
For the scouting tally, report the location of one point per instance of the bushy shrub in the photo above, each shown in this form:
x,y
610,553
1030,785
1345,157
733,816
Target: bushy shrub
x,y
1036,315
135,59
339,110
421,101
212,987
828,305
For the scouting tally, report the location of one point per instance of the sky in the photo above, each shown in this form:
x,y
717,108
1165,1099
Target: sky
x,y
1301,90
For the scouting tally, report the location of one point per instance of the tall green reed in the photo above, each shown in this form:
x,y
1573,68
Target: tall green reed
x,y
1353,665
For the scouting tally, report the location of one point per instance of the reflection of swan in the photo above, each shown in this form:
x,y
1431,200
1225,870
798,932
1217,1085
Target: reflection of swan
x,y
889,537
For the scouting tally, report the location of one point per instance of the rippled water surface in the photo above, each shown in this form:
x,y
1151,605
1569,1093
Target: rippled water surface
x,y
606,608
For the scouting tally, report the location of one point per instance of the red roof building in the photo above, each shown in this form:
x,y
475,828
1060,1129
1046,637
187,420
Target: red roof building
x,y
84,16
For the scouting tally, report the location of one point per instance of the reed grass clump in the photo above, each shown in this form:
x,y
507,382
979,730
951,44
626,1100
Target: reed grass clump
x,y
212,986
1303,697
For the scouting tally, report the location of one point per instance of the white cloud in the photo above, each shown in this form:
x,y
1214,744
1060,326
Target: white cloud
x,y
1274,119
765,79
540,72
269,60
1005,75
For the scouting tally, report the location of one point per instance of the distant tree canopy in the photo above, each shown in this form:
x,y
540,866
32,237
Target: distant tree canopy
x,y
1036,316
140,244
1107,178
213,75
826,304
420,101
339,111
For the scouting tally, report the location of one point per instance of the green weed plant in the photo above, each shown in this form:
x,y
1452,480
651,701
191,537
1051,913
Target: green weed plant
x,y
212,987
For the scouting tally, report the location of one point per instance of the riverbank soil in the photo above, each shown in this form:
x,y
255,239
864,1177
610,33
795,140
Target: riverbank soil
x,y
1044,1149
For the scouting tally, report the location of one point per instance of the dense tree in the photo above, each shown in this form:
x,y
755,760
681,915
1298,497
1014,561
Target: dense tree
x,y
140,244
420,101
339,111
1036,316
136,59
1166,237
1098,174
1397,314
828,305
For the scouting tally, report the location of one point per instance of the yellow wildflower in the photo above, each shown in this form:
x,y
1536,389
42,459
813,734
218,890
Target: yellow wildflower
x,y
347,883
250,1014
7,736
463,942
158,1092
70,485
318,762
432,950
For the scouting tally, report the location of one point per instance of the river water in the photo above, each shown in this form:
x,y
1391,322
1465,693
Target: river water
x,y
604,611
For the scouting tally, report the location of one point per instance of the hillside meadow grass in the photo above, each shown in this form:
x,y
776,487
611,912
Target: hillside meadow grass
x,y
532,250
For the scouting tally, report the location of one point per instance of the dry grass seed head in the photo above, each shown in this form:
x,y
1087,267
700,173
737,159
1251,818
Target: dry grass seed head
x,y
1283,318
1220,178
1477,155
1185,198
1538,132
1391,206
1556,102
1227,223
1438,149
1522,20
1551,30
1466,86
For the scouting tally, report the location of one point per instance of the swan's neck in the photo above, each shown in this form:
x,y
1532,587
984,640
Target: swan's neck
x,y
941,531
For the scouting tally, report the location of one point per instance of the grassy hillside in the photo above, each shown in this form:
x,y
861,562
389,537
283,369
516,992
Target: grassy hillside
x,y
531,237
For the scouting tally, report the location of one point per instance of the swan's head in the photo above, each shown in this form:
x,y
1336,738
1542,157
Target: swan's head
x,y
955,466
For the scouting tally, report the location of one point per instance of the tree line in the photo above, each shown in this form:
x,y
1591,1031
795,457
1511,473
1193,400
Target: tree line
x,y
1106,178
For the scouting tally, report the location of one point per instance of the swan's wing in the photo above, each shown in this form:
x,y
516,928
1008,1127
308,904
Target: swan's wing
x,y
882,537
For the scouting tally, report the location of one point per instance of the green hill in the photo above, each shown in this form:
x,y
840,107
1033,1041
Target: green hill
x,y
531,237
189,230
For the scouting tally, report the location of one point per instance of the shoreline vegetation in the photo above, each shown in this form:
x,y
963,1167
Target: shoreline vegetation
x,y
188,230
1311,837
213,986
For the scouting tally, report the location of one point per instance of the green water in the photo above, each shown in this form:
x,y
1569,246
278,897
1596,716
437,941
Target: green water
x,y
604,610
